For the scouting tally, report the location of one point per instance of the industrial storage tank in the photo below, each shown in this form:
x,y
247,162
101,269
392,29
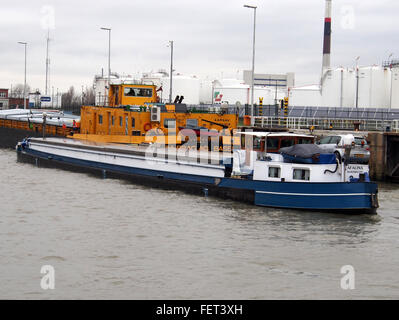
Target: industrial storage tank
x,y
374,87
231,91
394,91
206,91
305,96
338,88
187,86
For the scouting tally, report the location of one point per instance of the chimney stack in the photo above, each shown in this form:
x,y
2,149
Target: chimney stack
x,y
327,36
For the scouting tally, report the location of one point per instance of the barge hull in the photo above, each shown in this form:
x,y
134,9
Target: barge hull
x,y
350,198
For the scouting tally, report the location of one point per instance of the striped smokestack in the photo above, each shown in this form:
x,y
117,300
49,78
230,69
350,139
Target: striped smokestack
x,y
327,37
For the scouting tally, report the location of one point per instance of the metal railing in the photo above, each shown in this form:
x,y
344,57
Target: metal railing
x,y
327,124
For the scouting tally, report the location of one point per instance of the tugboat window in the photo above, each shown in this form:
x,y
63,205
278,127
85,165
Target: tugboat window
x,y
120,121
133,122
113,120
138,92
100,119
274,172
301,174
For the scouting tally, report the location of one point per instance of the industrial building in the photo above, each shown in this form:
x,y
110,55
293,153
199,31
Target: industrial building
x,y
282,81
360,87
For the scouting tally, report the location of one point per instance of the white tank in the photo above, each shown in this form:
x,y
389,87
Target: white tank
x,y
206,91
338,88
186,86
305,96
232,95
395,87
374,87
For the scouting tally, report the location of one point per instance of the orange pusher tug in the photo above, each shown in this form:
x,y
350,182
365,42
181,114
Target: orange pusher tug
x,y
133,111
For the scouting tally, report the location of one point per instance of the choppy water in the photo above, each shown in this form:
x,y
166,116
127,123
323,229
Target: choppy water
x,y
110,239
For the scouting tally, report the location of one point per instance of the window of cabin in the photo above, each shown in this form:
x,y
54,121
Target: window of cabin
x,y
169,123
286,143
137,92
272,143
304,141
301,174
100,119
257,143
113,120
120,121
274,172
133,122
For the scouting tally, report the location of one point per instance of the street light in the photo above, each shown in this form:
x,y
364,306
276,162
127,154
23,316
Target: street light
x,y
390,96
253,65
24,43
171,71
109,57
357,81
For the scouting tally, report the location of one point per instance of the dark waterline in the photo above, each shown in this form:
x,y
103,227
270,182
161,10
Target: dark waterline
x,y
111,239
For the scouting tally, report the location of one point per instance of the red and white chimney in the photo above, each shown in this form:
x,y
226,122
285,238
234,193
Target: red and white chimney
x,y
327,36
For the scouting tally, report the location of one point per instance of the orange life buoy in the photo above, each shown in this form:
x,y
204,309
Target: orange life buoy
x,y
147,126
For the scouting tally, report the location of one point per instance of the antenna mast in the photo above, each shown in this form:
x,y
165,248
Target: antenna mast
x,y
47,63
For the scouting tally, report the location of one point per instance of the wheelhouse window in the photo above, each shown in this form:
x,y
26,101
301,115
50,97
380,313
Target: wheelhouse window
x,y
274,172
137,92
257,143
100,119
304,141
272,143
301,174
286,143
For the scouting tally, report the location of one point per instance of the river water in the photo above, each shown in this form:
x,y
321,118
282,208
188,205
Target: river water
x,y
111,239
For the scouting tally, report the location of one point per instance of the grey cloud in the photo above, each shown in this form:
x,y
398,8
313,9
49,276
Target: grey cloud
x,y
210,37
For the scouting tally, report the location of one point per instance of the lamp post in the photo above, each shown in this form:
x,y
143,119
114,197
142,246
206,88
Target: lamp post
x,y
25,44
357,82
253,65
390,96
109,57
171,71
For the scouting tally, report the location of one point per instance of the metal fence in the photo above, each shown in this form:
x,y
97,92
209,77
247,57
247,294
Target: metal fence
x,y
327,124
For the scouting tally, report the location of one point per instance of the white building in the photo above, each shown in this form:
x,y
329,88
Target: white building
x,y
369,87
233,91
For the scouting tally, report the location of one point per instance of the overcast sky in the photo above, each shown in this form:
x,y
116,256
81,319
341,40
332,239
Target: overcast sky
x,y
211,37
